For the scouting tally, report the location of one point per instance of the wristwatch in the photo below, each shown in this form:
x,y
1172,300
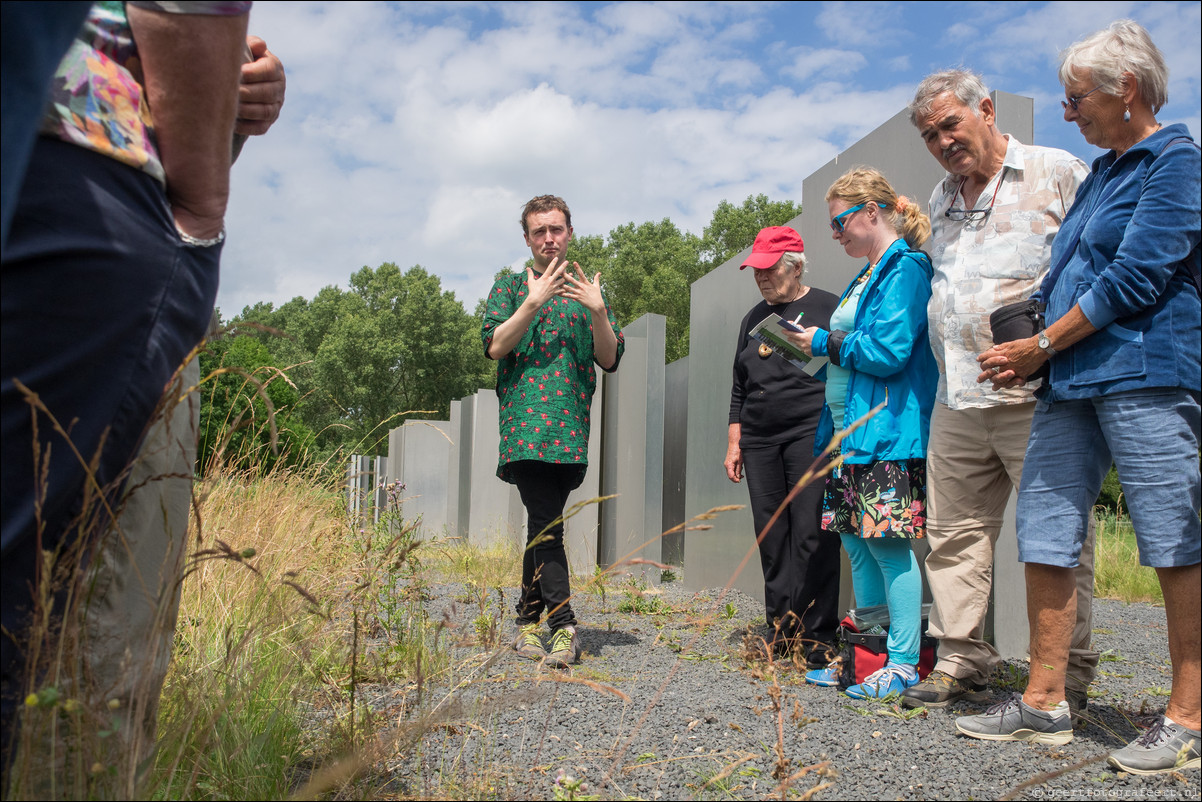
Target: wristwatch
x,y
1045,344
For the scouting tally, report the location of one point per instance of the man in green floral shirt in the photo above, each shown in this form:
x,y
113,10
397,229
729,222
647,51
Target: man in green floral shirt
x,y
546,328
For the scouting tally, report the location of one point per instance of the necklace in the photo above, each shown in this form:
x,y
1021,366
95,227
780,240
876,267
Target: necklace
x,y
864,276
765,350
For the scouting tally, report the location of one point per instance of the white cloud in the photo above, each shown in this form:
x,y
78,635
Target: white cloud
x,y
824,64
862,23
413,133
961,31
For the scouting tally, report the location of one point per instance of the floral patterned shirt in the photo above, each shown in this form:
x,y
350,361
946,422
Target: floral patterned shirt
x,y
96,100
980,266
545,385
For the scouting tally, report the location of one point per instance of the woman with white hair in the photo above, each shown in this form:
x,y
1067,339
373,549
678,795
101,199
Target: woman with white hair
x,y
774,412
1123,325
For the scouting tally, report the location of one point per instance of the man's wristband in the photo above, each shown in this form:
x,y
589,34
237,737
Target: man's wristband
x,y
197,242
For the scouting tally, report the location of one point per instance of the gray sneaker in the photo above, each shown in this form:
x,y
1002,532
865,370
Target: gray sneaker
x,y
1164,747
1013,720
565,647
528,644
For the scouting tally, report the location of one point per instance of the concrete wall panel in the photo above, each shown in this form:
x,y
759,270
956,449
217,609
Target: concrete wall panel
x,y
720,300
633,450
676,420
419,455
494,507
583,529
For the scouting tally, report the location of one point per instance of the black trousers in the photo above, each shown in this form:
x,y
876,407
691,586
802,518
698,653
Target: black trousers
x,y
544,488
800,561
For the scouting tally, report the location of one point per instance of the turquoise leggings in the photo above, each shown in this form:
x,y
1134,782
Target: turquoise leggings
x,y
884,571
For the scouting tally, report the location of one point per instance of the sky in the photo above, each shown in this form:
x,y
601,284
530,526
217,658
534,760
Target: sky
x,y
415,132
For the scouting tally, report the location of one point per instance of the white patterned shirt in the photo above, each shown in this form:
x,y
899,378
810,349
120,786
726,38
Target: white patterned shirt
x,y
981,265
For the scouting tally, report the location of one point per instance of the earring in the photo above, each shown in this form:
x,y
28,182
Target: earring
x,y
1127,115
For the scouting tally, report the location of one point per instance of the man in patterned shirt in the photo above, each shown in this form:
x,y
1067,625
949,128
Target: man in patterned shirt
x,y
546,328
993,219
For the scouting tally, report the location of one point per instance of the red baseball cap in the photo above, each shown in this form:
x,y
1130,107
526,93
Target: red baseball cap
x,y
770,243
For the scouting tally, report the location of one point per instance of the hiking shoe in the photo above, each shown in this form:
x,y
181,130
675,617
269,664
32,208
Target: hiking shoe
x,y
940,689
1078,702
881,683
565,648
1164,747
1013,720
528,644
826,677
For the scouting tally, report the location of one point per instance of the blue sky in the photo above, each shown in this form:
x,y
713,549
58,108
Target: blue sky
x,y
414,132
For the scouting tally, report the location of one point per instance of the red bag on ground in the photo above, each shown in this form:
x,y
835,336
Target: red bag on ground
x,y
866,652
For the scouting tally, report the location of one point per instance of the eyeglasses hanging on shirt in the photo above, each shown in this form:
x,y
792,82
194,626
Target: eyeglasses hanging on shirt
x,y
972,215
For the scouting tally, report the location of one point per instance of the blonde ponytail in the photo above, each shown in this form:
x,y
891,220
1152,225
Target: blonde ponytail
x,y
868,185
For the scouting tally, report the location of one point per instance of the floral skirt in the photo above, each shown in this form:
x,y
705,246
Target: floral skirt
x,y
881,499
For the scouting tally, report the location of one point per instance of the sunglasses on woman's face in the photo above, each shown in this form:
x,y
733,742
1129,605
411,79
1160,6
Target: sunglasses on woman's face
x,y
837,220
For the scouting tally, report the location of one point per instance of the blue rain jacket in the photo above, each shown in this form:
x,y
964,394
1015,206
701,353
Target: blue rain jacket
x,y
889,355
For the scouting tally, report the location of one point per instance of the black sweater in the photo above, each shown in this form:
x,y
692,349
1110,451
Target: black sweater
x,y
773,400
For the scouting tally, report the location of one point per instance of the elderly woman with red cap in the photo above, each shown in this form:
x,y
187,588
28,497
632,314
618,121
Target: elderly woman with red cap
x,y
774,412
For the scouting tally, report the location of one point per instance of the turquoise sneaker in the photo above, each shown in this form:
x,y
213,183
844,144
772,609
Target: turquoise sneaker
x,y
826,677
882,683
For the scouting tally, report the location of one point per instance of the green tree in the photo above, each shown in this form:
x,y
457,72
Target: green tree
x,y
650,269
392,344
733,228
395,343
238,372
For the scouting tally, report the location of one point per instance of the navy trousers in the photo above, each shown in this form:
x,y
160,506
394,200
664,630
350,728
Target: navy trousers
x,y
101,303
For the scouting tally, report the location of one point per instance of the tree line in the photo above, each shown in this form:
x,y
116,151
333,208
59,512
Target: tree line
x,y
340,370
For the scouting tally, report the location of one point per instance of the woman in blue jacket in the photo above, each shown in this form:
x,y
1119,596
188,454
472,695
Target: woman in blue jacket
x,y
880,361
1123,324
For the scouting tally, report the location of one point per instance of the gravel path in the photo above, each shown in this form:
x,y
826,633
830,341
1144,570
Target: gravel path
x,y
663,705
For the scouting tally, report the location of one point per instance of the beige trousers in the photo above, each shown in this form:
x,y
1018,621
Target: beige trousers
x,y
974,461
132,602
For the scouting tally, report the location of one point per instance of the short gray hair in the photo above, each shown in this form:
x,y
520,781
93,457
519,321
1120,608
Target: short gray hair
x,y
965,85
1123,47
792,259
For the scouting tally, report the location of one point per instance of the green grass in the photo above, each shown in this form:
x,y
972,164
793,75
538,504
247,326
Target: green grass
x,y
1117,572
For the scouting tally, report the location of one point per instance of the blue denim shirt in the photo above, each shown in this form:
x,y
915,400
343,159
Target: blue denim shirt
x,y
889,355
1139,219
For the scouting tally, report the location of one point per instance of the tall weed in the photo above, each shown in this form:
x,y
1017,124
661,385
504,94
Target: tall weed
x,y
254,639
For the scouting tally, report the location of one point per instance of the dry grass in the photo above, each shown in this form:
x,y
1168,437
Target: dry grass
x,y
256,639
